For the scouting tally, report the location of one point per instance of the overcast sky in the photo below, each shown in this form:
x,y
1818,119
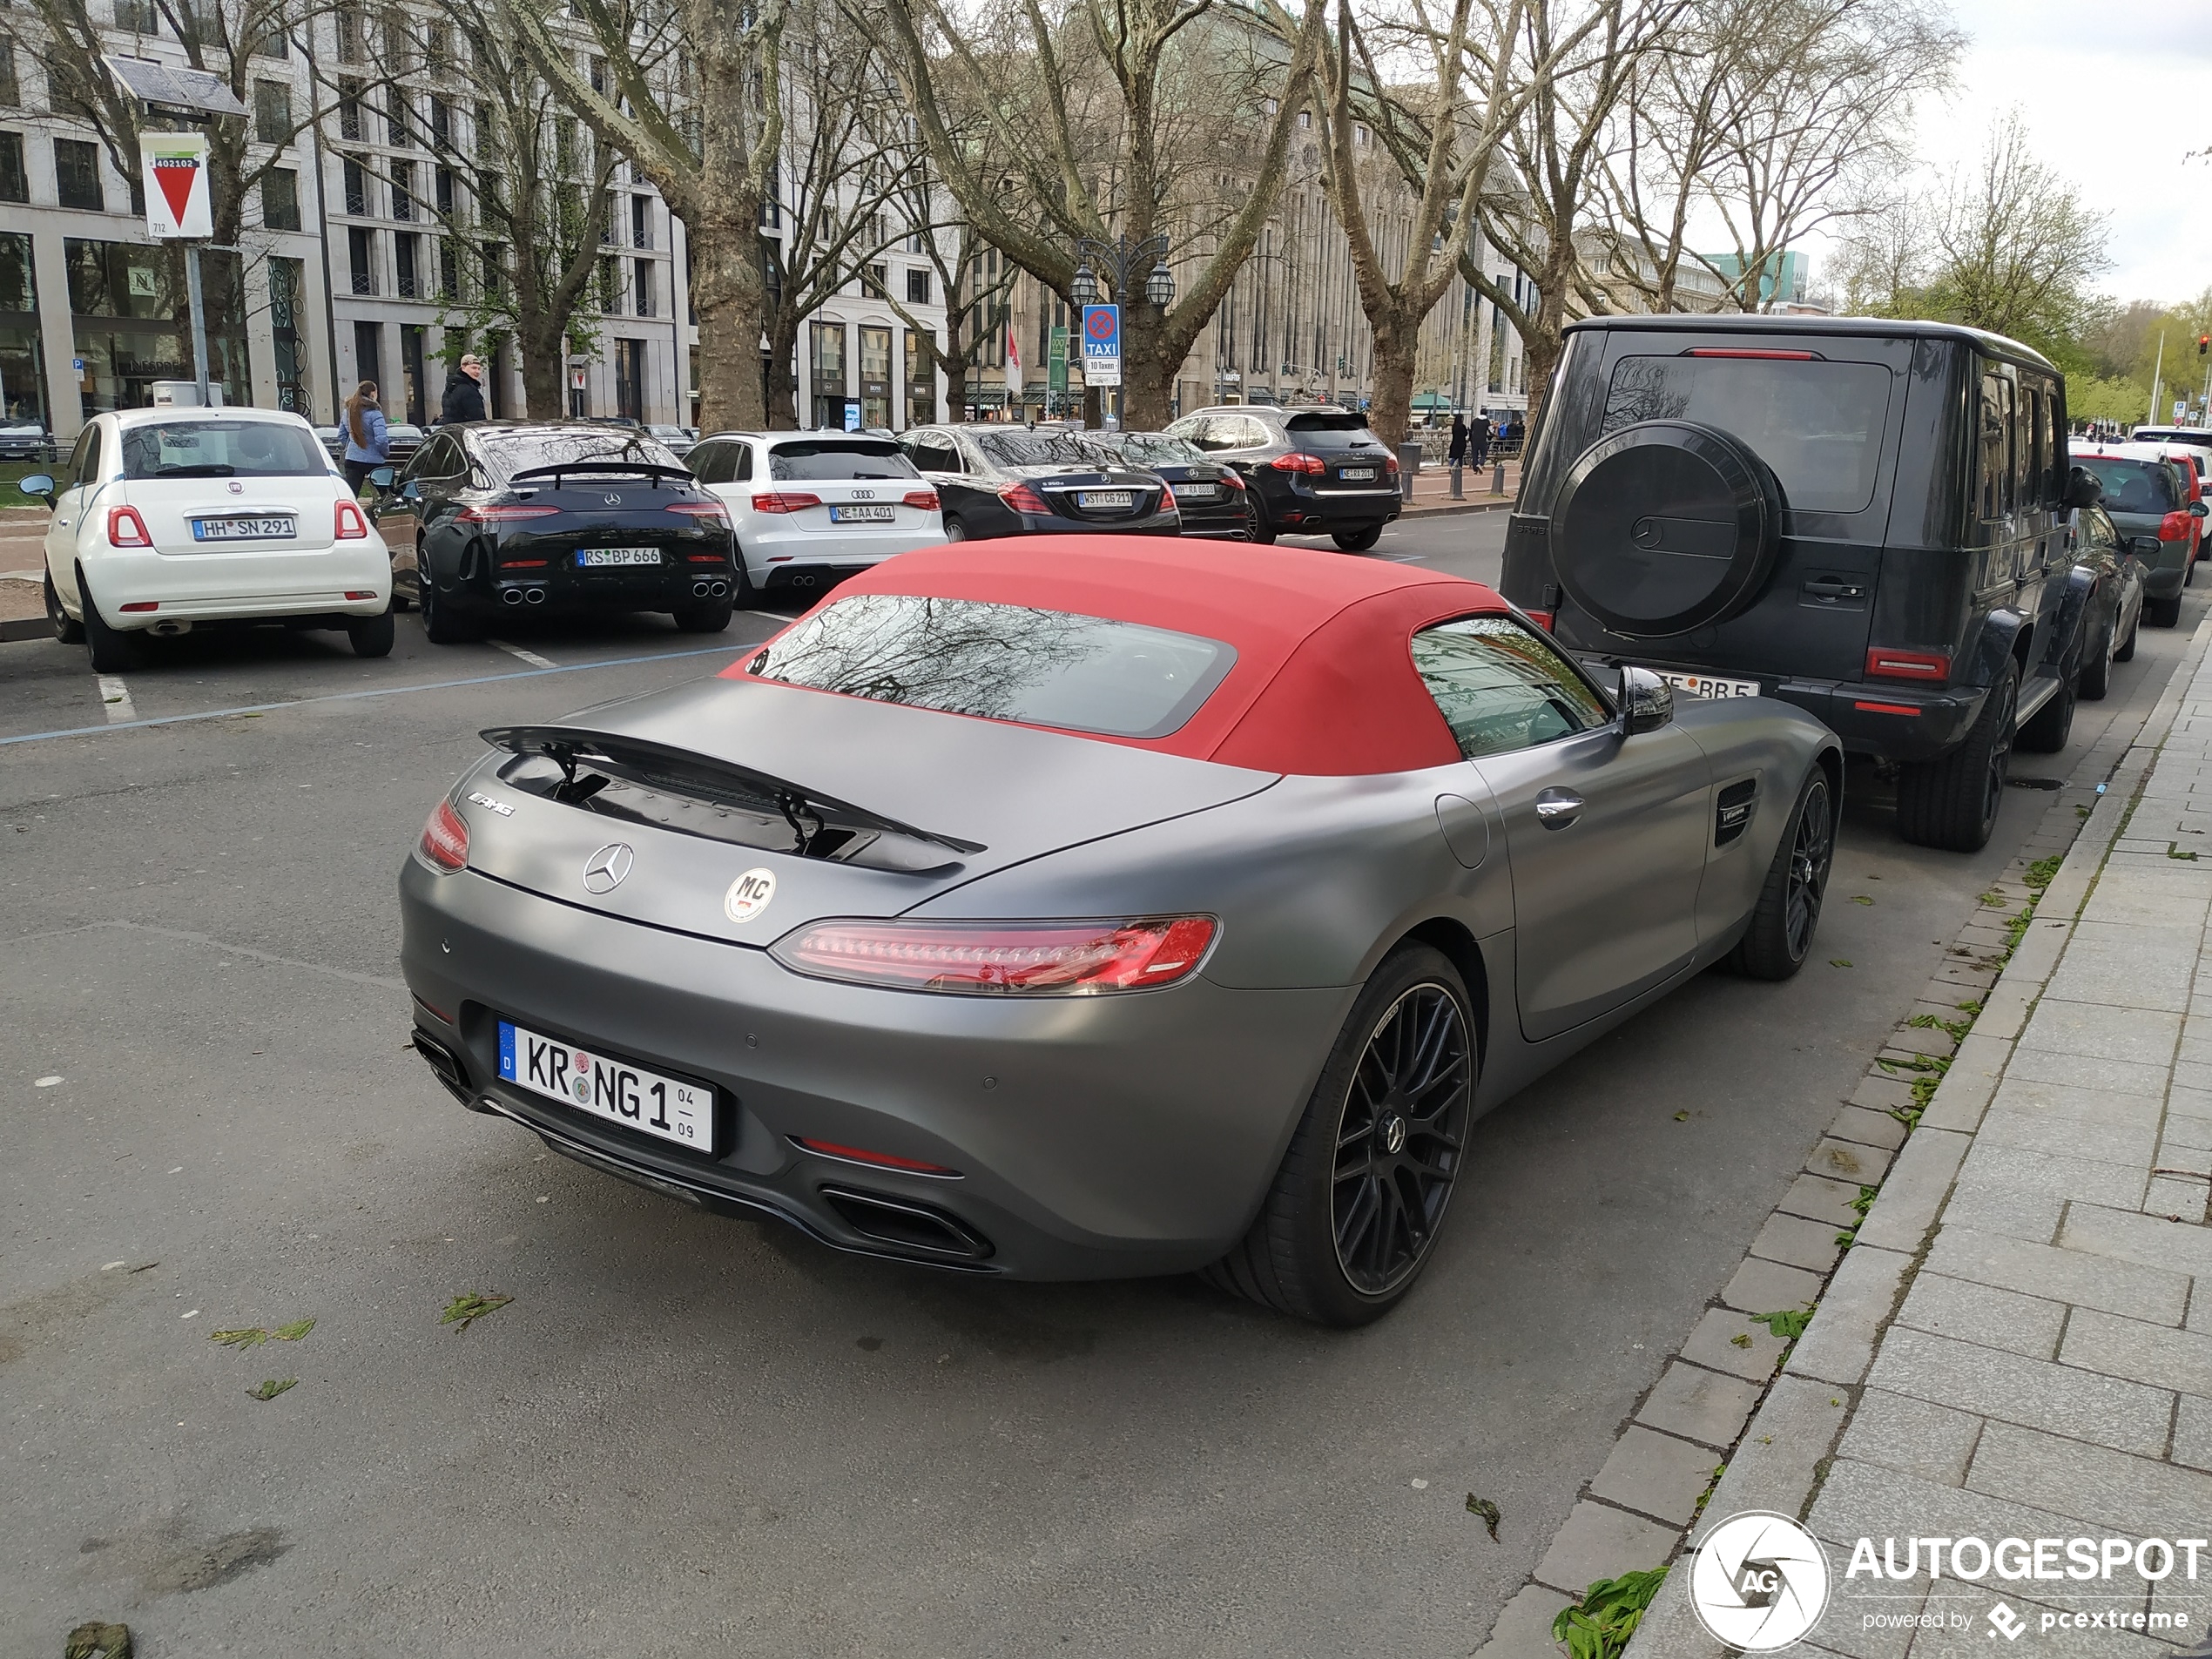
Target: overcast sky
x,y
2113,97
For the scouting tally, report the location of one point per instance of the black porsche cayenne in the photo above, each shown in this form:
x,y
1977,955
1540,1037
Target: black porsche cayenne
x,y
523,517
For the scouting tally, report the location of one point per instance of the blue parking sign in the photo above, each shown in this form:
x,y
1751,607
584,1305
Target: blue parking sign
x,y
1103,345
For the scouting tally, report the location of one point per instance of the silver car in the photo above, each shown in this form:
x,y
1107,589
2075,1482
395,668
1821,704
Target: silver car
x,y
1086,907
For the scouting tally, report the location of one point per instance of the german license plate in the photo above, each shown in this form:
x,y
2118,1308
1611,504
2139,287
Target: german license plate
x,y
590,557
245,530
1200,492
669,1108
1709,684
1095,498
1354,474
860,516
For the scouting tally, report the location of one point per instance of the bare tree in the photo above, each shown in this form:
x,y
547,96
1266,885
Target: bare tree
x,y
2016,245
690,94
1113,115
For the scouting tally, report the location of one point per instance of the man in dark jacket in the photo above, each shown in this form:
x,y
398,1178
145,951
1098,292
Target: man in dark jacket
x,y
464,398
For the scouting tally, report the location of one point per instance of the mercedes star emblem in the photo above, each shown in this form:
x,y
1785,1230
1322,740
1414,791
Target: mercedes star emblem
x,y
614,500
604,870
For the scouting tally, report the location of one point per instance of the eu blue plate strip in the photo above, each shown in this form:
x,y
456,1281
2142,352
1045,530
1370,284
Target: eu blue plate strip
x,y
382,690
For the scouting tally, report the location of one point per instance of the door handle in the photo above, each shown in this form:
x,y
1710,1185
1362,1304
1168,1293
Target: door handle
x,y
1832,589
1557,808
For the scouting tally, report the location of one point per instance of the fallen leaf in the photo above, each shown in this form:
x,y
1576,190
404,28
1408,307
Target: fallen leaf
x,y
1860,898
1487,1511
272,1387
1837,962
294,1332
96,1639
1681,1117
466,1309
250,1339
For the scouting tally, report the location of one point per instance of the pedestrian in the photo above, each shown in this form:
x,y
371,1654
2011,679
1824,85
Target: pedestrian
x,y
1479,438
464,398
1459,451
368,438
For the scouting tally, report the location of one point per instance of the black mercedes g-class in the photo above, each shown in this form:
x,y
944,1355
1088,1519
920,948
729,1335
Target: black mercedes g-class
x,y
1868,519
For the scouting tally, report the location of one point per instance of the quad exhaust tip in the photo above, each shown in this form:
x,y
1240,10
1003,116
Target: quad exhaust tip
x,y
513,597
534,596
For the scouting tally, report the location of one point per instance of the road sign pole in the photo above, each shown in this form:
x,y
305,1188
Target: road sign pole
x,y
198,320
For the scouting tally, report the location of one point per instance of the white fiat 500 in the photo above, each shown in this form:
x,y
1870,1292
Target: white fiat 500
x,y
811,509
166,520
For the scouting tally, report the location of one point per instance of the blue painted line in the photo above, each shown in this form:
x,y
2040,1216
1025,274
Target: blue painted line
x,y
382,690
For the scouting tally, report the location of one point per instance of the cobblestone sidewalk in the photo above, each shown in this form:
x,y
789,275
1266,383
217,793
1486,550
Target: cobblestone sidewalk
x,y
2019,1344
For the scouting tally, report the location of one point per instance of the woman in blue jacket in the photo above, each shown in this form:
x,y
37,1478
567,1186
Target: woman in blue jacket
x,y
368,438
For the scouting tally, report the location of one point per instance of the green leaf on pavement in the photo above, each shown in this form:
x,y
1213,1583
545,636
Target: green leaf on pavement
x,y
1861,898
1788,1325
294,1332
1599,1626
464,1311
97,1639
271,1388
252,1339
1837,962
1487,1511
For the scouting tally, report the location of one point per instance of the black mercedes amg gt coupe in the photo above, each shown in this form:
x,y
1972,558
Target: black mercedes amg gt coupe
x,y
517,517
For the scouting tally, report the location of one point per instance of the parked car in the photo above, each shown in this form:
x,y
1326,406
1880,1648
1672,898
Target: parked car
x,y
2153,499
678,438
811,509
2114,608
1086,907
1210,496
405,439
1311,471
25,440
332,440
536,515
170,520
1006,479
1862,517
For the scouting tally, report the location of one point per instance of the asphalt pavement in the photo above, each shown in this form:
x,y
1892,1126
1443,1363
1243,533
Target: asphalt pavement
x,y
687,1433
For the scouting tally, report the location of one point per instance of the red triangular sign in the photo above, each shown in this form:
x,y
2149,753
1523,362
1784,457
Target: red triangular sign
x,y
175,174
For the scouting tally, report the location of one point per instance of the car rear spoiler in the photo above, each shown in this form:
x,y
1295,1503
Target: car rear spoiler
x,y
659,765
629,469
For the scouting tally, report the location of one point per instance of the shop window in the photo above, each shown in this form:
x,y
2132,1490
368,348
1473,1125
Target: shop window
x,y
280,199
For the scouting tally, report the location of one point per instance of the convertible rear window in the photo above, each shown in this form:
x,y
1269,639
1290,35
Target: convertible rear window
x,y
832,462
1817,424
2133,486
1501,688
1001,662
222,449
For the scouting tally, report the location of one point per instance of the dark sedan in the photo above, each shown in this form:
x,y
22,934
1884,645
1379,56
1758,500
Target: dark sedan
x,y
2115,600
1011,481
519,516
25,440
1311,471
1210,496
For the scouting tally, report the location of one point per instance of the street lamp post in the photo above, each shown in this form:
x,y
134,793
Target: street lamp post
x,y
1120,260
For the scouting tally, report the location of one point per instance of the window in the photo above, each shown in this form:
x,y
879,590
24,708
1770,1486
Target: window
x,y
349,112
2011,457
1001,662
399,49
641,221
1818,425
353,36
280,199
711,463
449,270
15,183
1324,433
404,190
2143,487
641,286
2046,445
137,16
611,284
77,174
1990,447
440,122
11,88
360,249
445,193
853,460
272,112
1500,688
397,125
933,452
917,287
356,183
437,47
222,449
273,43
404,248
875,280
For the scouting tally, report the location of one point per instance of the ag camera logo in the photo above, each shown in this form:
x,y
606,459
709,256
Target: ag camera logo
x,y
1760,1582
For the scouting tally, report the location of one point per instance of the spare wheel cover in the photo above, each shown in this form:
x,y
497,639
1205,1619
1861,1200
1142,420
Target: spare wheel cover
x,y
1664,527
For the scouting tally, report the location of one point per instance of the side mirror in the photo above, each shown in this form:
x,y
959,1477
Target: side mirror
x,y
1647,701
40,484
2198,509
411,491
2083,489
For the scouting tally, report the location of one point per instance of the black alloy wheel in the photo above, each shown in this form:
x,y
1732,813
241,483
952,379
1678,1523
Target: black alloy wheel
x,y
1778,938
2095,678
1399,1138
1812,850
444,622
69,633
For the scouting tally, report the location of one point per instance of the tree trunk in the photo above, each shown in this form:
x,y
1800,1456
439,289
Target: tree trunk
x,y
1396,345
1148,378
785,412
729,295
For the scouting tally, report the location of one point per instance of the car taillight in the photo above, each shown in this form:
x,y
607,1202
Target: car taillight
x,y
502,514
1022,499
1541,618
1298,461
444,846
1390,466
1233,479
784,501
925,499
347,524
700,509
2175,527
1166,499
1000,958
521,565
127,529
1885,663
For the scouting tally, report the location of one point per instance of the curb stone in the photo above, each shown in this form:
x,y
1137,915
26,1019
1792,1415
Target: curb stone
x,y
1910,1125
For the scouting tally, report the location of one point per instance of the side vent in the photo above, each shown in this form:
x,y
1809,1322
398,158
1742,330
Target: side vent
x,y
1733,814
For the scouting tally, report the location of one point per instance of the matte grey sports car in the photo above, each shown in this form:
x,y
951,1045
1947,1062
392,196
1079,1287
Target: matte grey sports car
x,y
1092,907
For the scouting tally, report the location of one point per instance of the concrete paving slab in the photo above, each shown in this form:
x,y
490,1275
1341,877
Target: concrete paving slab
x,y
2036,1394
2116,1286
1984,1314
1600,1541
1917,1437
1699,1405
1655,1474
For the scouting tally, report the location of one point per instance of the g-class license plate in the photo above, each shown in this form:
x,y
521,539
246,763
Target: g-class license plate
x,y
1355,473
669,1108
588,556
1708,684
244,529
860,516
1094,498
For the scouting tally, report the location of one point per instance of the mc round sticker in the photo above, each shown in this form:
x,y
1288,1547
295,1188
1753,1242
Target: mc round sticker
x,y
749,894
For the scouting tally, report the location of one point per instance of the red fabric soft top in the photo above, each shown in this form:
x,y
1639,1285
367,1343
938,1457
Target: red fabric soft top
x,y
1323,684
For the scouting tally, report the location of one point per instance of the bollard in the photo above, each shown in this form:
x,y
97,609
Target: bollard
x,y
1456,495
1498,478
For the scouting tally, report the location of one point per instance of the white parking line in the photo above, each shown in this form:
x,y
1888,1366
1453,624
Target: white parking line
x,y
116,698
529,656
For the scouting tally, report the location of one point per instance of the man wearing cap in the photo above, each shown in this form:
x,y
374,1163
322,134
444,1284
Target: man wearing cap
x,y
464,398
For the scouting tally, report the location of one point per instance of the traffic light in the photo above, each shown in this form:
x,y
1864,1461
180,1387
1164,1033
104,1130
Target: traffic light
x,y
2204,344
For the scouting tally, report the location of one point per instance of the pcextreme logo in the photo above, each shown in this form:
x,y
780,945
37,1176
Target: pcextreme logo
x,y
1760,1582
